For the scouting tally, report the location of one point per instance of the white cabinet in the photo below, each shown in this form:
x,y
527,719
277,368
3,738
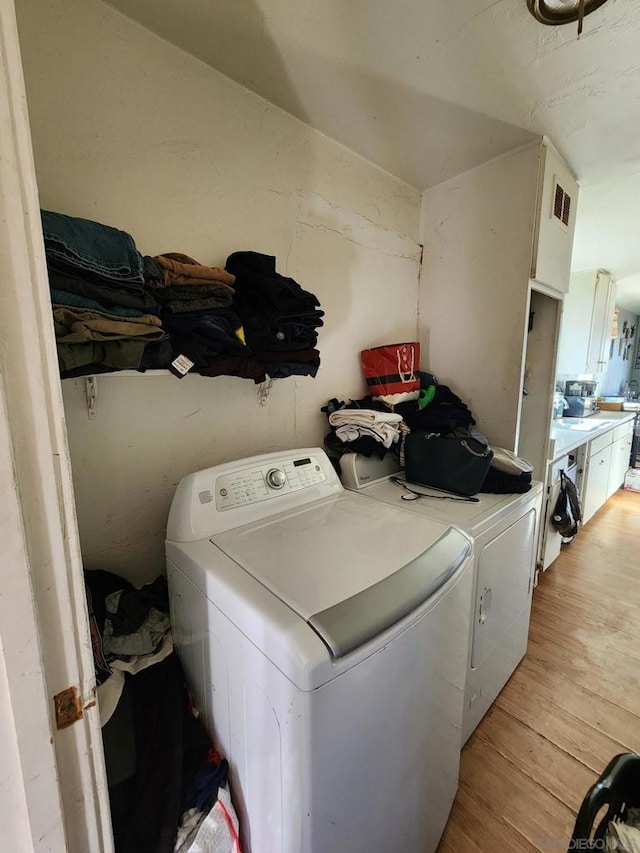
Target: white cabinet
x,y
604,304
477,294
587,318
596,489
620,456
556,218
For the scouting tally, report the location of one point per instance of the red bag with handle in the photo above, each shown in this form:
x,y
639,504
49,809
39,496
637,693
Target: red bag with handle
x,y
391,372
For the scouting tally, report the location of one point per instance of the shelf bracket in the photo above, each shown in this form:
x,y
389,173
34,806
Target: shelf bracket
x,y
91,390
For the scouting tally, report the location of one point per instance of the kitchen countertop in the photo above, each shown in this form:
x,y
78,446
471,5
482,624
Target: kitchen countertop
x,y
563,440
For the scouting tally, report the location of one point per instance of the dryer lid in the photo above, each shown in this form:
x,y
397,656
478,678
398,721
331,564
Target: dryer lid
x,y
349,566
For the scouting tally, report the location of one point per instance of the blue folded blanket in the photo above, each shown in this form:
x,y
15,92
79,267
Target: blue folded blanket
x,y
97,250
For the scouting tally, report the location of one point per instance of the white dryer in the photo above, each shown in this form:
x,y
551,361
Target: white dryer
x,y
324,636
504,529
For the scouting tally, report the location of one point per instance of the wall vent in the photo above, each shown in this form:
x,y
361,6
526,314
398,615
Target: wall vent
x,y
561,205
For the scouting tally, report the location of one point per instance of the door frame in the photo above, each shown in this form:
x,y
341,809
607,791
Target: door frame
x,y
45,647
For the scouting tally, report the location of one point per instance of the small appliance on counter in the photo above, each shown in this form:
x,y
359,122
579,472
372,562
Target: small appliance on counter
x,y
580,398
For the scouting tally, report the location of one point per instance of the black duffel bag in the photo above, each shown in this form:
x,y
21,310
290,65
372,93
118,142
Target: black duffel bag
x,y
454,463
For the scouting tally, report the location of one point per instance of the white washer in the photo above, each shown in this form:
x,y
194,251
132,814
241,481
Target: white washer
x,y
324,637
504,529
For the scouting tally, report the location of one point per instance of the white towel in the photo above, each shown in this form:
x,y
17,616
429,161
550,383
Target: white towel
x,y
351,424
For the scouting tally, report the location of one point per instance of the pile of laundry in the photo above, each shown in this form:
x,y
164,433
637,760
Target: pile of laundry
x,y
167,785
115,309
372,427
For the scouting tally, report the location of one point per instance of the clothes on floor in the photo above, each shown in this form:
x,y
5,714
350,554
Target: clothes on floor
x,y
162,770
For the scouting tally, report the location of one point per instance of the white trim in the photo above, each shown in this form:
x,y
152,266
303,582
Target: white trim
x,y
37,438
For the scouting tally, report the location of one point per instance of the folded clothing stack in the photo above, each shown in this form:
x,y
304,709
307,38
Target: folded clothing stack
x,y
104,318
115,309
362,426
196,310
280,318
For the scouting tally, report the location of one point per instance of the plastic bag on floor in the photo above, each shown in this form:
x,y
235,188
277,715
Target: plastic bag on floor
x,y
217,833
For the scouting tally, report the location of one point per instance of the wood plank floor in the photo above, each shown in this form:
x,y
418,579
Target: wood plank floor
x,y
572,704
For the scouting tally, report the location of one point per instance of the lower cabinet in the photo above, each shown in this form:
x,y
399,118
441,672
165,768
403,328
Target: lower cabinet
x,y
596,490
620,456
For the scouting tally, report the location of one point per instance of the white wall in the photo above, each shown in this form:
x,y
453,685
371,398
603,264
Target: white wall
x,y
130,131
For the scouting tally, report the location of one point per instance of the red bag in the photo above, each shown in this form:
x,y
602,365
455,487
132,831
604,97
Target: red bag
x,y
391,372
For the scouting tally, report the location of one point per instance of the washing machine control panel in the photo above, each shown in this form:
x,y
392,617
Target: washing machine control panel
x,y
267,482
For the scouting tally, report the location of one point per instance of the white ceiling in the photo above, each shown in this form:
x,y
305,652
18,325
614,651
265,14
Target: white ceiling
x,y
428,88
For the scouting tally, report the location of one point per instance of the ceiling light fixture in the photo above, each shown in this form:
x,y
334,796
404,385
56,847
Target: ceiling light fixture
x,y
556,12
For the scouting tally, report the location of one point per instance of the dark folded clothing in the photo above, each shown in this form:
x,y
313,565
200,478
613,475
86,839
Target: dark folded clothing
x,y
284,369
365,444
260,289
220,297
305,355
280,365
206,304
151,270
445,413
499,483
282,334
115,355
104,292
230,365
103,252
335,405
202,337
95,357
61,297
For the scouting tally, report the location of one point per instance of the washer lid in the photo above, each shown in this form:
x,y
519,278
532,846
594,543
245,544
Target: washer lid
x,y
349,566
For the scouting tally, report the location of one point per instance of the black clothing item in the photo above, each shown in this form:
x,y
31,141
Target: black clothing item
x,y
151,270
246,367
204,790
203,336
261,290
367,445
498,483
284,369
335,405
444,414
134,606
171,748
278,315
108,293
281,333
183,297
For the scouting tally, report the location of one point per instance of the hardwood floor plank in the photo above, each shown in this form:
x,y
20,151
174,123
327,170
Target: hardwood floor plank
x,y
572,704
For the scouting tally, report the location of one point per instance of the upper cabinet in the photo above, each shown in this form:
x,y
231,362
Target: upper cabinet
x,y
486,328
555,222
604,306
587,319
